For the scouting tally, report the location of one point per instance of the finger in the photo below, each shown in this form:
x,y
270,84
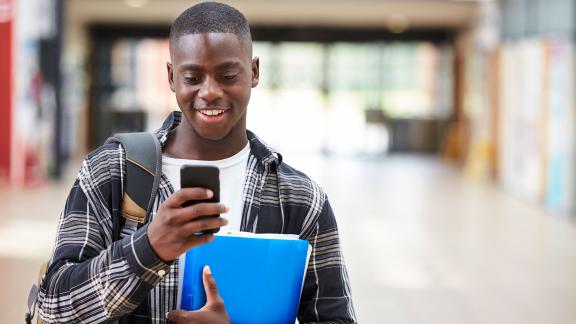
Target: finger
x,y
203,209
197,211
183,195
202,224
176,315
213,299
200,211
195,240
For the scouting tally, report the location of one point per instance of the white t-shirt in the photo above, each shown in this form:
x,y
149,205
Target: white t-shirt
x,y
232,177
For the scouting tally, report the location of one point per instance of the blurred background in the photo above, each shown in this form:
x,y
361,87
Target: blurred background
x,y
443,132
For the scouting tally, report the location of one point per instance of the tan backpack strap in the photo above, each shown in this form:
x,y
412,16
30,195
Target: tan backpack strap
x,y
142,178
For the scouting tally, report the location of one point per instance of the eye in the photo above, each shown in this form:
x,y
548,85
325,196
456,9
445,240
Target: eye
x,y
192,79
230,77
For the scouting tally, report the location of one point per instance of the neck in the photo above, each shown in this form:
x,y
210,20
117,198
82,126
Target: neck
x,y
185,143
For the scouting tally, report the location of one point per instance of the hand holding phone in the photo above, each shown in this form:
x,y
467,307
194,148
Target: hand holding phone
x,y
175,229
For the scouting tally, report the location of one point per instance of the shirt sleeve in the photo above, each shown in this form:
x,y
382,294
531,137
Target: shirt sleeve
x,y
91,279
326,296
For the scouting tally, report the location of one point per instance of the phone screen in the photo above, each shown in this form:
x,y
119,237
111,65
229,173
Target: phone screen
x,y
192,176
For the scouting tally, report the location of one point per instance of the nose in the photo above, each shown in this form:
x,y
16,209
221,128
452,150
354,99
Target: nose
x,y
210,90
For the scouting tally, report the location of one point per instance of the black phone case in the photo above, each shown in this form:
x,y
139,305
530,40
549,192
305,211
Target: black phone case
x,y
192,176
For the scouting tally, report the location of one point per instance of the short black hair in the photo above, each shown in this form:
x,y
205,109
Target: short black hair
x,y
211,17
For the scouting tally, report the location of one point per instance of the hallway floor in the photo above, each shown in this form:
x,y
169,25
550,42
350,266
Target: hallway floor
x,y
423,245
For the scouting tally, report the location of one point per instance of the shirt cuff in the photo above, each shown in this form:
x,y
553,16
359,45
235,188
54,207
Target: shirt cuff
x,y
142,259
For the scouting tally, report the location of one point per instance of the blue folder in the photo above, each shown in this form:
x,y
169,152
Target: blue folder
x,y
259,278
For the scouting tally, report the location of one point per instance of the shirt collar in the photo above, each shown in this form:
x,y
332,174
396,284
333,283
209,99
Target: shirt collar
x,y
262,151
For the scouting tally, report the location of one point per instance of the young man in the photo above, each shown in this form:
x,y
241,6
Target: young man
x,y
136,279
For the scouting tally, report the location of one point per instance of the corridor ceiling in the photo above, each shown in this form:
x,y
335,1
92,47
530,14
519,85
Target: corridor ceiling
x,y
420,14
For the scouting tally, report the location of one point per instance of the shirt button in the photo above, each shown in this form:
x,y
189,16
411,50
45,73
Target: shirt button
x,y
161,273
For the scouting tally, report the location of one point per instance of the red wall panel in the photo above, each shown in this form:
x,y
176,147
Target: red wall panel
x,y
6,86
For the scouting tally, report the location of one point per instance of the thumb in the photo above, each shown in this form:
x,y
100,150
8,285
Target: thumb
x,y
213,299
176,315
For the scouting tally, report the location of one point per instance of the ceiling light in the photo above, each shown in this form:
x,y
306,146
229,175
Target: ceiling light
x,y
136,3
397,23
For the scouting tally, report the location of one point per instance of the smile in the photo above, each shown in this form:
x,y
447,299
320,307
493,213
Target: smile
x,y
211,112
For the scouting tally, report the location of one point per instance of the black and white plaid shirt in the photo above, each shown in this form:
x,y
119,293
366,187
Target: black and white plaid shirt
x,y
91,279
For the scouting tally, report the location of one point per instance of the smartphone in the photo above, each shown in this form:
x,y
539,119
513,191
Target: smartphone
x,y
192,176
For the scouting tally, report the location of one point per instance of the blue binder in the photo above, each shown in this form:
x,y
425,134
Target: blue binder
x,y
259,277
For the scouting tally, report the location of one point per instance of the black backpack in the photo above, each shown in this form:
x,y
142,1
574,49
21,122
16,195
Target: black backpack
x,y
143,160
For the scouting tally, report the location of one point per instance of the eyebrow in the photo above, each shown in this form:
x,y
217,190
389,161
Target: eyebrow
x,y
221,66
191,67
227,65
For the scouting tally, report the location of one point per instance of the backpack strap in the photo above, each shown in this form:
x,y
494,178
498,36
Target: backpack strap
x,y
143,170
142,178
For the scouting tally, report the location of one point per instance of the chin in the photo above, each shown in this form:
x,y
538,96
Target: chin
x,y
212,136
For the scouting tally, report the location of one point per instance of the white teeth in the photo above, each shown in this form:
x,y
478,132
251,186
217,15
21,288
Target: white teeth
x,y
211,112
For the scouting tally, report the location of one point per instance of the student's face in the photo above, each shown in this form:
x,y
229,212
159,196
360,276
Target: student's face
x,y
212,75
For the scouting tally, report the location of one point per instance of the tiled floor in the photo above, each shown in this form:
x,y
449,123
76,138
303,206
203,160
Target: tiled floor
x,y
423,245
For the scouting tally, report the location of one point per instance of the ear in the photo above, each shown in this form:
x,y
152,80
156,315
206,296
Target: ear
x,y
170,75
255,71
